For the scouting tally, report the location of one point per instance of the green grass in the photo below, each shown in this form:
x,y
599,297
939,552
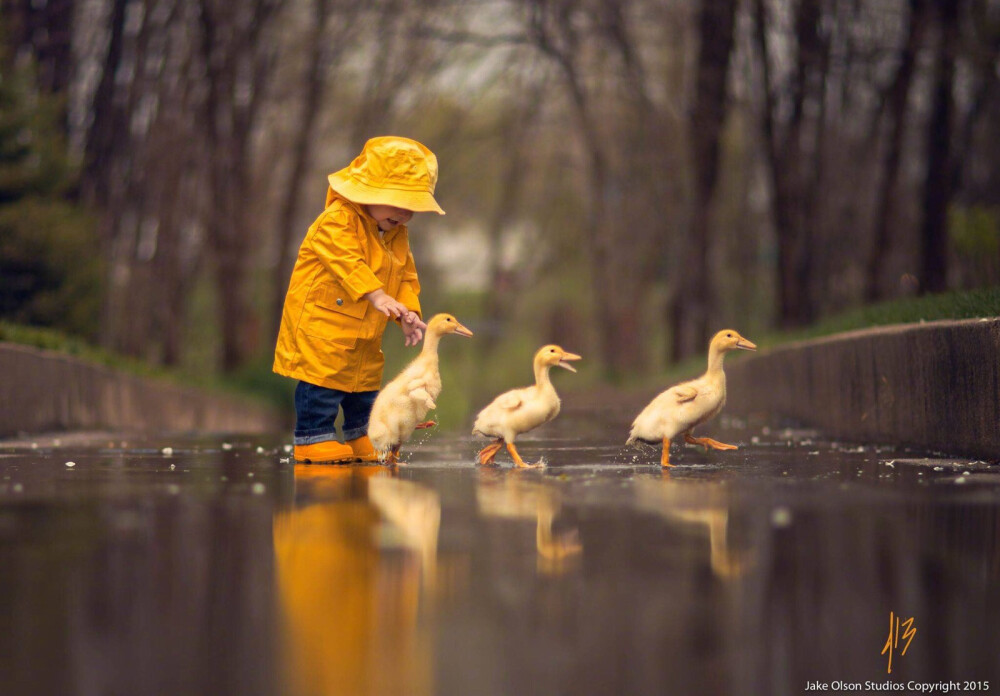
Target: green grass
x,y
971,304
50,339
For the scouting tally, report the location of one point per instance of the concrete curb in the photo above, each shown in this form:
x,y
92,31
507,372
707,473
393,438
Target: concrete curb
x,y
934,385
42,391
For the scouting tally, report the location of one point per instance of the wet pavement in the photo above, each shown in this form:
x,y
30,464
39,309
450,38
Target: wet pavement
x,y
215,566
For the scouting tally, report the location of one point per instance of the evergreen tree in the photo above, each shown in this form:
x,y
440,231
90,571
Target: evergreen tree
x,y
50,268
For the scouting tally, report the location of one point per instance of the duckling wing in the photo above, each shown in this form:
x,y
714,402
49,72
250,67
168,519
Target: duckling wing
x,y
495,417
706,404
417,392
684,393
671,412
420,397
509,401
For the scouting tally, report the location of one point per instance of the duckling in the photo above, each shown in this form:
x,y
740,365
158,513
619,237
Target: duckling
x,y
683,406
404,401
520,410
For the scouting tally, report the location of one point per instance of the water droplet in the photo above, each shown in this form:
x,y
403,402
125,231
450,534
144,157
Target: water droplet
x,y
167,451
781,517
70,464
258,489
172,467
227,446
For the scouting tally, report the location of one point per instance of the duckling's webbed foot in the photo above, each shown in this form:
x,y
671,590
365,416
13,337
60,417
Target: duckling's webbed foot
x,y
425,425
489,453
393,456
708,443
520,462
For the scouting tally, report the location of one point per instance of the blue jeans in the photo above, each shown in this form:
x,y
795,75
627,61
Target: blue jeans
x,y
316,410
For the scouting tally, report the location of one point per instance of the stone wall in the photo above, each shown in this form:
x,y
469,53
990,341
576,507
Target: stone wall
x,y
934,385
43,391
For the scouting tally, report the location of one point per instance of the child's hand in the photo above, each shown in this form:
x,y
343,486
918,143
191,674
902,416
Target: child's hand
x,y
413,328
388,305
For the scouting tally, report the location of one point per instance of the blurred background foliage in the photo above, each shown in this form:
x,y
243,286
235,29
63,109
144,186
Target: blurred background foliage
x,y
48,262
622,177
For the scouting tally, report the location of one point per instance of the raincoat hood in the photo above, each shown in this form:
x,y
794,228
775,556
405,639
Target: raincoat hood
x,y
391,170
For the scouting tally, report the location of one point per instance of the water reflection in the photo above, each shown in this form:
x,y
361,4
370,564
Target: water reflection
x,y
355,557
124,576
224,571
509,496
703,506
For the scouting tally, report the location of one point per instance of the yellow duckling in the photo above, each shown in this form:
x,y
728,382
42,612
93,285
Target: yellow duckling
x,y
404,401
520,410
682,407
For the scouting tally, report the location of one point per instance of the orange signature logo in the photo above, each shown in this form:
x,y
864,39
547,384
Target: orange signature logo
x,y
909,630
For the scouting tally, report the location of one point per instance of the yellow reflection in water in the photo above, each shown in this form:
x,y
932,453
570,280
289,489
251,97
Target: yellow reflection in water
x,y
696,504
353,558
510,497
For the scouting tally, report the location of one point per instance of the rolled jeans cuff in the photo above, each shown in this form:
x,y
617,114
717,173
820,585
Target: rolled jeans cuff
x,y
313,439
355,433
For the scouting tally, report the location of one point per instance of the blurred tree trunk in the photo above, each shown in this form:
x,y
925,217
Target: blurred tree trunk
x,y
938,182
716,23
637,225
314,89
179,199
619,234
792,149
513,136
103,142
107,125
898,98
400,59
237,64
381,87
562,49
114,179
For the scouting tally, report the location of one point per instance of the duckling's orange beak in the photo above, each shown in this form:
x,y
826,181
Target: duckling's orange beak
x,y
568,356
462,331
745,344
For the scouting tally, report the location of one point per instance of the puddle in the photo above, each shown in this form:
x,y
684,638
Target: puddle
x,y
216,565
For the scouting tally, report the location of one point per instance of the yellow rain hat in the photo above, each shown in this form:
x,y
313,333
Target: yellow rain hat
x,y
391,170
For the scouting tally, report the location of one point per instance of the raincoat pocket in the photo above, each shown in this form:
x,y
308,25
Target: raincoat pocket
x,y
335,316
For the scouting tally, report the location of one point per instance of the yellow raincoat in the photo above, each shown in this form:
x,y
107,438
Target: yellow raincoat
x,y
330,336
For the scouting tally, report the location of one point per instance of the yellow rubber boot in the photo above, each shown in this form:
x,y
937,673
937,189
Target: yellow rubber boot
x,y
362,449
328,451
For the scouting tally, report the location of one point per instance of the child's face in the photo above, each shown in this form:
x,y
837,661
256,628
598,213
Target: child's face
x,y
389,217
